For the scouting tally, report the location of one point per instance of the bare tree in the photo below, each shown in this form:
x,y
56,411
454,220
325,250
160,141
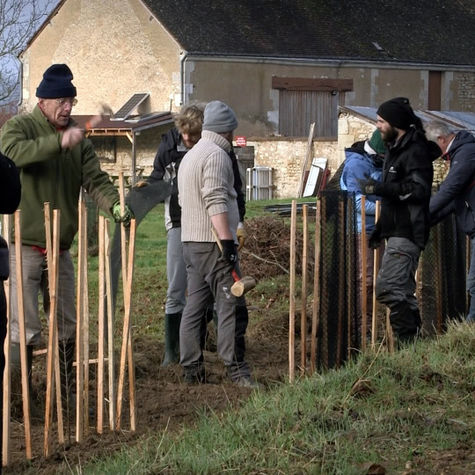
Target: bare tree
x,y
19,21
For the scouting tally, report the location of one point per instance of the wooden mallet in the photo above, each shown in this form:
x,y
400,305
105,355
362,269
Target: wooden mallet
x,y
241,284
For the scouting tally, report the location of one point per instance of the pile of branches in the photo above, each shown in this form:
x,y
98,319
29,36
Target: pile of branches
x,y
267,250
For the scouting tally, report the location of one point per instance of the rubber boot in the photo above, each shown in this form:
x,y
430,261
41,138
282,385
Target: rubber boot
x,y
15,385
66,357
172,338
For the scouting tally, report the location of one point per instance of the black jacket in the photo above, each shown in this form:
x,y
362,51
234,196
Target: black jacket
x,y
457,192
406,189
10,187
10,195
165,167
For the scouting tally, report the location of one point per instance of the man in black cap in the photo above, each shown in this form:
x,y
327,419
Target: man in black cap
x,y
55,161
405,190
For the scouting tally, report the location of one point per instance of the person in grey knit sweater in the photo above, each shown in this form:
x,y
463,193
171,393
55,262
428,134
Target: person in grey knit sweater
x,y
208,199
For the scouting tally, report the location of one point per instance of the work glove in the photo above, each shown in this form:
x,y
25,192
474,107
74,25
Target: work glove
x,y
228,251
120,217
374,241
241,235
369,186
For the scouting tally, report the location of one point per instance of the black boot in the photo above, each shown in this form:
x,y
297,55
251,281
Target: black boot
x,y
16,385
172,338
66,358
405,322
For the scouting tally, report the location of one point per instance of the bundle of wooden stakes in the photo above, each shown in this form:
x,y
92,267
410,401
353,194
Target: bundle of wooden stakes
x,y
105,335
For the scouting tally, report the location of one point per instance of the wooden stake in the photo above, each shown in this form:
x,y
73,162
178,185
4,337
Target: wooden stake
x,y
110,328
325,284
85,329
52,253
100,331
126,347
316,289
293,237
374,320
303,319
22,328
130,354
79,323
364,275
7,370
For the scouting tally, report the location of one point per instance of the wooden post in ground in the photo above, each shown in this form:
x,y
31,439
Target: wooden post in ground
x,y
316,289
7,370
82,248
293,238
110,328
363,290
100,330
25,390
128,311
303,319
374,319
85,328
52,253
126,348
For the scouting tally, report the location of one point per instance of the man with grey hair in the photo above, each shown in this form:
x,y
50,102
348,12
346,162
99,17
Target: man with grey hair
x,y
208,200
457,192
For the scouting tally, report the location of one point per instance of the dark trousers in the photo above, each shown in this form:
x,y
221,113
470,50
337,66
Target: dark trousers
x,y
396,286
3,334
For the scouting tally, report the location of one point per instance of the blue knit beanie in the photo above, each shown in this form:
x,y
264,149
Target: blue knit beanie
x,y
56,83
219,117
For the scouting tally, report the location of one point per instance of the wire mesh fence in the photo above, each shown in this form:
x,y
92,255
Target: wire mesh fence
x,y
337,305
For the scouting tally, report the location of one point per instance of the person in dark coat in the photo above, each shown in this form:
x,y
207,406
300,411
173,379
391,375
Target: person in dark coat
x,y
10,195
174,145
404,220
457,192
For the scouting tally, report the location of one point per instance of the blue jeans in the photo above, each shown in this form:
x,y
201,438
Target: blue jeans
x,y
471,282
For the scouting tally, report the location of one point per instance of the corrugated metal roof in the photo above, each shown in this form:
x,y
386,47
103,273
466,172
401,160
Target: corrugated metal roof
x,y
457,120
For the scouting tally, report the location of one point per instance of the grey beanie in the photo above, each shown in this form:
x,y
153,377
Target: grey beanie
x,y
219,117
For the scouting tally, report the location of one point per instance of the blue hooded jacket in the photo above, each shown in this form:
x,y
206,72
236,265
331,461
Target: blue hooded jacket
x,y
359,166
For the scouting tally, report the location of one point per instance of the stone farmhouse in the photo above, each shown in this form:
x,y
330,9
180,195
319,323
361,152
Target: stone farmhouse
x,y
280,64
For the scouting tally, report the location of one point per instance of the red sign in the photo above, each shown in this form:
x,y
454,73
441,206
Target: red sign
x,y
241,141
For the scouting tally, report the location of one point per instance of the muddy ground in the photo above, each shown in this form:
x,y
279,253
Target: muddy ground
x,y
165,402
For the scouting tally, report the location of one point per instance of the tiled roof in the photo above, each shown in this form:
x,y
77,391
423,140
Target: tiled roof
x,y
418,31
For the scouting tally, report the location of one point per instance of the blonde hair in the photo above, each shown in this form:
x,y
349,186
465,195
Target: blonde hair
x,y
190,119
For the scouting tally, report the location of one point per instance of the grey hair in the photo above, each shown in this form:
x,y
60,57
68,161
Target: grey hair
x,y
436,129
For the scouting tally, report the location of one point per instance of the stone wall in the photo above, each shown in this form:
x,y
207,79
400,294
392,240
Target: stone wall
x,y
287,156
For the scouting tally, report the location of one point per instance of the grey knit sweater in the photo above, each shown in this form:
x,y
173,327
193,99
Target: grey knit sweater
x,y
206,188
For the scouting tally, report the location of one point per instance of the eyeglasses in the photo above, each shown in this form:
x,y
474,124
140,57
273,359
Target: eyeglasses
x,y
72,101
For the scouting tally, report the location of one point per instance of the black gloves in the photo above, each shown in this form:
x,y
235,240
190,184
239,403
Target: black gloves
x,y
369,186
374,241
228,251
